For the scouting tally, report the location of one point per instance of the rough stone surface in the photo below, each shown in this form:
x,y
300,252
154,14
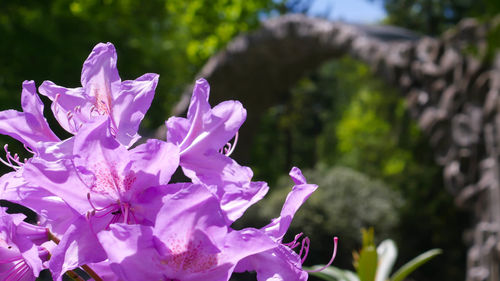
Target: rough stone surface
x,y
454,97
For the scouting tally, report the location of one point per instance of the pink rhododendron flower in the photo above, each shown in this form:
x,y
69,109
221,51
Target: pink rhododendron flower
x,y
30,126
200,137
190,240
103,94
20,255
107,205
282,263
108,185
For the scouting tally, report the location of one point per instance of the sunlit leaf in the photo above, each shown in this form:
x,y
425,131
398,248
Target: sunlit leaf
x,y
387,254
368,258
415,263
333,273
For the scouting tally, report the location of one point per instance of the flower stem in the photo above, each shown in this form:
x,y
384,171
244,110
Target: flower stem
x,y
91,273
85,267
52,237
74,276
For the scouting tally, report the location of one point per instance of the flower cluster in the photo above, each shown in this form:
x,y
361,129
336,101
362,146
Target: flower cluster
x,y
107,205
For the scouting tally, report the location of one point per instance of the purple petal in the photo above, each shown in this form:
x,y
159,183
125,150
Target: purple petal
x,y
229,181
196,254
244,243
132,252
148,202
102,84
29,127
35,233
199,101
239,245
215,169
53,151
297,176
209,129
17,246
280,264
99,70
103,94
95,139
191,208
237,199
299,194
177,129
200,137
29,252
228,116
70,106
60,178
30,102
101,161
154,162
10,183
103,269
78,246
212,135
109,169
130,106
196,243
48,206
33,108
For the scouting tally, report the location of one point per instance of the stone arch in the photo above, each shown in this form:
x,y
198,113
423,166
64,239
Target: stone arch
x,y
455,99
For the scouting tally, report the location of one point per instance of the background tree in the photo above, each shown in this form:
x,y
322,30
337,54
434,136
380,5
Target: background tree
x,y
172,38
338,115
432,17
342,115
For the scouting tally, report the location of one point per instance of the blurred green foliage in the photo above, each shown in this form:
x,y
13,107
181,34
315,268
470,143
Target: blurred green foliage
x,y
301,130
342,115
345,202
50,40
375,264
432,17
339,115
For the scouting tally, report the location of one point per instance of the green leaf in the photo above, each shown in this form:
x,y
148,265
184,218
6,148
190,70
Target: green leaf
x,y
351,276
415,263
367,264
333,273
368,237
387,253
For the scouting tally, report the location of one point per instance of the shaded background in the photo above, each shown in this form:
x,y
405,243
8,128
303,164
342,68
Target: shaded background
x,y
346,129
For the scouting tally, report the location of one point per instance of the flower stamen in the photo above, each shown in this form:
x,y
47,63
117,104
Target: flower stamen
x,y
9,159
56,104
17,271
29,149
305,246
228,147
335,242
97,209
294,243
